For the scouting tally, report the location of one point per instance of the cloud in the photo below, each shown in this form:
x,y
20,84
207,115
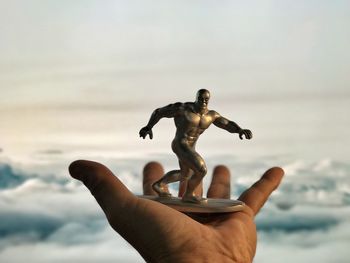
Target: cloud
x,y
51,221
8,177
51,152
301,217
306,246
49,217
111,249
16,223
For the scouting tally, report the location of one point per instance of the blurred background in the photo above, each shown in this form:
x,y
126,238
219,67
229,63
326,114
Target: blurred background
x,y
78,79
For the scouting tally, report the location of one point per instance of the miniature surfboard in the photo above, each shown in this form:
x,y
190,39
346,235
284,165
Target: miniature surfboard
x,y
210,206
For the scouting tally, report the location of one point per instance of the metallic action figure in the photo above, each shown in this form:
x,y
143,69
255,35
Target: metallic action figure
x,y
191,120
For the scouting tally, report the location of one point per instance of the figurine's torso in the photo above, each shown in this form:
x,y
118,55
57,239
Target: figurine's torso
x,y
190,123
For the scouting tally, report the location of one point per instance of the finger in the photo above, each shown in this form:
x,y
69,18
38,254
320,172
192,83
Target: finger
x,y
220,186
240,136
151,135
256,196
127,214
152,172
108,191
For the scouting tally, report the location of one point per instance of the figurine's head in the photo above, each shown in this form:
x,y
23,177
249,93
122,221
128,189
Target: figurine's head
x,y
202,99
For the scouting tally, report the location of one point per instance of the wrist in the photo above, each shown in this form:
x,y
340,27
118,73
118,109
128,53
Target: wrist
x,y
201,257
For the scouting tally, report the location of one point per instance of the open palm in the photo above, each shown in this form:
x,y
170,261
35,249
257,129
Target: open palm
x,y
162,234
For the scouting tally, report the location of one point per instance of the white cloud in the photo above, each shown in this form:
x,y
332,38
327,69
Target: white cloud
x,y
46,220
307,246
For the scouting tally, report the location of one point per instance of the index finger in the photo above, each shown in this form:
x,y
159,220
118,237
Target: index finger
x,y
152,172
220,186
256,196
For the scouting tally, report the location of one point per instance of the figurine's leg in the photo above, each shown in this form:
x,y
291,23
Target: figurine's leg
x,y
197,164
160,185
186,171
186,174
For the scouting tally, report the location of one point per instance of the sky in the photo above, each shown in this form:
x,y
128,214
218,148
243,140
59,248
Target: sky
x,y
56,52
78,79
266,60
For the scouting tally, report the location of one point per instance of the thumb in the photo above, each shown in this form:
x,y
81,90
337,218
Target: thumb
x,y
143,223
108,191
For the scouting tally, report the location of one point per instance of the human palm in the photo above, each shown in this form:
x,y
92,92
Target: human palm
x,y
162,234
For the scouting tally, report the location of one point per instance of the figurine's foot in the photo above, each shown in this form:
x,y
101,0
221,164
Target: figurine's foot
x,y
194,199
160,190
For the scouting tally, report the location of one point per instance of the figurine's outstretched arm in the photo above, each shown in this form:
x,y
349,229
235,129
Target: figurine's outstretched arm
x,y
169,111
232,127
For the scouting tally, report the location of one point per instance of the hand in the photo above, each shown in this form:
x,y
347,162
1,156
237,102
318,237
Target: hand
x,y
144,131
247,133
162,234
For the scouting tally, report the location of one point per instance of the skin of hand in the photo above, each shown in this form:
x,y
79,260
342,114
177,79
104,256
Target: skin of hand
x,y
162,234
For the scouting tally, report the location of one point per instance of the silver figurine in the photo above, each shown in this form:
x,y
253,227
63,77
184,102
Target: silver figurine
x,y
191,120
